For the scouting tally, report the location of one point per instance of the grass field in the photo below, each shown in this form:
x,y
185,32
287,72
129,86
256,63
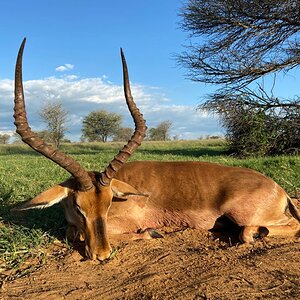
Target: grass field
x,y
24,174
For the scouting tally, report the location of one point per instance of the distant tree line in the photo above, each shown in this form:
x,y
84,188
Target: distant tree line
x,y
97,126
102,125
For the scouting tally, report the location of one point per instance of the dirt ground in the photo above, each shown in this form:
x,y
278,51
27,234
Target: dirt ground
x,y
188,264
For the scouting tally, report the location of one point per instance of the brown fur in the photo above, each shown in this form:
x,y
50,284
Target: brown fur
x,y
152,194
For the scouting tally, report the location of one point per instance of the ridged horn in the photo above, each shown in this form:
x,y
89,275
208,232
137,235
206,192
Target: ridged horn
x,y
137,137
31,138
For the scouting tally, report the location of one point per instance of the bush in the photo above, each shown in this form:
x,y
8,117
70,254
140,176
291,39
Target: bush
x,y
259,132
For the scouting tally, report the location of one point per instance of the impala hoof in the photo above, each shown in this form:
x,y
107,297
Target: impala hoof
x,y
262,232
154,234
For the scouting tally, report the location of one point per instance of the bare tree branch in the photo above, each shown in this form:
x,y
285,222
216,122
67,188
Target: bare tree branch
x,y
238,41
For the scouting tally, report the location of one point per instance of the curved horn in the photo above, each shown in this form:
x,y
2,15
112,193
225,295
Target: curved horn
x,y
31,138
137,137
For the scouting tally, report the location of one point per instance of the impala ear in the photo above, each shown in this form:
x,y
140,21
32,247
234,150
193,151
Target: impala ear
x,y
46,199
122,190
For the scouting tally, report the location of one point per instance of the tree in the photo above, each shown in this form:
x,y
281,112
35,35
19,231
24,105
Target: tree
x,y
256,125
55,116
161,132
100,125
4,138
234,43
45,135
238,41
123,134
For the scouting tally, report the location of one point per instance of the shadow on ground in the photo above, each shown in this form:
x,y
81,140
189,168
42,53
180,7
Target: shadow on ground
x,y
50,220
186,152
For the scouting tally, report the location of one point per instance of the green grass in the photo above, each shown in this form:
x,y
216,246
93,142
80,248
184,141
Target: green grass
x,y
18,244
24,174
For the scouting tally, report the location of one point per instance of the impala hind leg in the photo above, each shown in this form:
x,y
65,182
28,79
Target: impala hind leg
x,y
292,228
250,232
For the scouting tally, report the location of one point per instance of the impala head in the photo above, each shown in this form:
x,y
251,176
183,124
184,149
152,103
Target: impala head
x,y
86,196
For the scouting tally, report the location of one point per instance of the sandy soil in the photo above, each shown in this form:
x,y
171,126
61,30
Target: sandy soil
x,y
189,264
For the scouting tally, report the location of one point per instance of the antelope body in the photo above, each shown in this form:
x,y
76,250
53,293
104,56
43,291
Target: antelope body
x,y
130,199
196,194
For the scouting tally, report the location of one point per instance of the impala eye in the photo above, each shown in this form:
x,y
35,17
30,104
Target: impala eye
x,y
79,210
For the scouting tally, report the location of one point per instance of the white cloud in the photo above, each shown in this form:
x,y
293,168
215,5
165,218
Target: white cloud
x,y
81,96
61,69
69,66
70,77
9,132
65,67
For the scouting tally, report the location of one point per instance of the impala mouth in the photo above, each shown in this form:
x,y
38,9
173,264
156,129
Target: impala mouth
x,y
100,256
97,245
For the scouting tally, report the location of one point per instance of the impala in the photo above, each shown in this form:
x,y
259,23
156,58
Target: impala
x,y
131,200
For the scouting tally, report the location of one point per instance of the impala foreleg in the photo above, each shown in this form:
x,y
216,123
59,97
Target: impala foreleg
x,y
146,234
73,234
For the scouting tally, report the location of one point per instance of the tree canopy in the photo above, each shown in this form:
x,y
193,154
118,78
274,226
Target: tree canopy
x,y
55,116
98,126
123,134
233,43
238,41
161,132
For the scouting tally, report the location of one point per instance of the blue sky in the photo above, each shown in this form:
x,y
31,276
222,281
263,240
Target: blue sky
x,y
72,56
